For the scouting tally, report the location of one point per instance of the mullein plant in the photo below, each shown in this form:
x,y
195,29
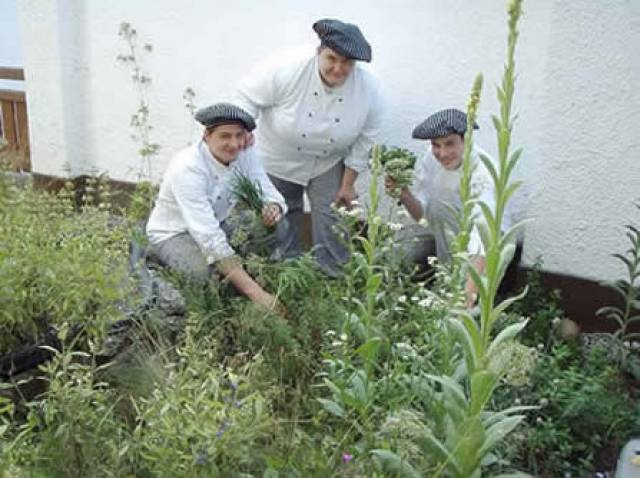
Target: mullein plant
x,y
351,368
459,445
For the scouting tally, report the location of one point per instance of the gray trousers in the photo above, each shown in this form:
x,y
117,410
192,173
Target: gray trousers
x,y
330,251
417,243
181,252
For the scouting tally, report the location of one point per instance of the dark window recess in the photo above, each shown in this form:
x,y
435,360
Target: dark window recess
x,y
304,135
299,148
337,120
310,115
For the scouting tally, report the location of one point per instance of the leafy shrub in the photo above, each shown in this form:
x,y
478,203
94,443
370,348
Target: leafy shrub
x,y
204,421
72,429
58,266
585,413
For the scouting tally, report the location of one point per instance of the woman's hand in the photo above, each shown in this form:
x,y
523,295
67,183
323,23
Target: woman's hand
x,y
271,214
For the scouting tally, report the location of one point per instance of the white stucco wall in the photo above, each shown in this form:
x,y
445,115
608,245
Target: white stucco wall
x,y
578,78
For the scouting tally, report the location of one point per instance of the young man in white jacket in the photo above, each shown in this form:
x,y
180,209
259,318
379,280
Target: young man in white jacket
x,y
435,190
188,228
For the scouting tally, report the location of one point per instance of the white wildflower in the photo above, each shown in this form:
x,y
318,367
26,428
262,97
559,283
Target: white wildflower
x,y
402,299
394,226
343,337
428,302
405,350
423,222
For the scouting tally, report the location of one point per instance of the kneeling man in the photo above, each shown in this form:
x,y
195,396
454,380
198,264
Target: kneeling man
x,y
188,228
435,192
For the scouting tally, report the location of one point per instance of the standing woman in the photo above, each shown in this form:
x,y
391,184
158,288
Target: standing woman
x,y
318,116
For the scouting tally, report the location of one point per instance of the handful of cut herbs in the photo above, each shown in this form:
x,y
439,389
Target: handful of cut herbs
x,y
249,194
247,220
398,164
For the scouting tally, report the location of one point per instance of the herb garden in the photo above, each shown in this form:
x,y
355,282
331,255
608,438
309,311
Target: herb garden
x,y
382,372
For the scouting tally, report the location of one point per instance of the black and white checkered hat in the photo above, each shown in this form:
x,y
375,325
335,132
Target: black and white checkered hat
x,y
345,38
442,123
224,113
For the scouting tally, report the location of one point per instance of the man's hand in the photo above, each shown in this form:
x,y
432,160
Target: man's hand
x,y
271,214
389,184
470,287
268,302
346,195
470,293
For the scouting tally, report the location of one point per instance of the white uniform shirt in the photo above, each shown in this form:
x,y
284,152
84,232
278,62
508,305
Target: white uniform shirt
x,y
304,126
195,197
436,187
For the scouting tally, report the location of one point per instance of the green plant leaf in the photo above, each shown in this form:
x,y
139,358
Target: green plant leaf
x,y
453,387
499,430
332,407
395,465
483,383
468,336
369,349
508,333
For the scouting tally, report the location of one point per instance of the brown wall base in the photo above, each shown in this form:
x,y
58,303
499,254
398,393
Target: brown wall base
x,y
580,298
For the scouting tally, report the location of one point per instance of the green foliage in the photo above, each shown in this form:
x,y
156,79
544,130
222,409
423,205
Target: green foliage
x,y
205,421
72,430
584,414
540,308
627,288
142,201
59,267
